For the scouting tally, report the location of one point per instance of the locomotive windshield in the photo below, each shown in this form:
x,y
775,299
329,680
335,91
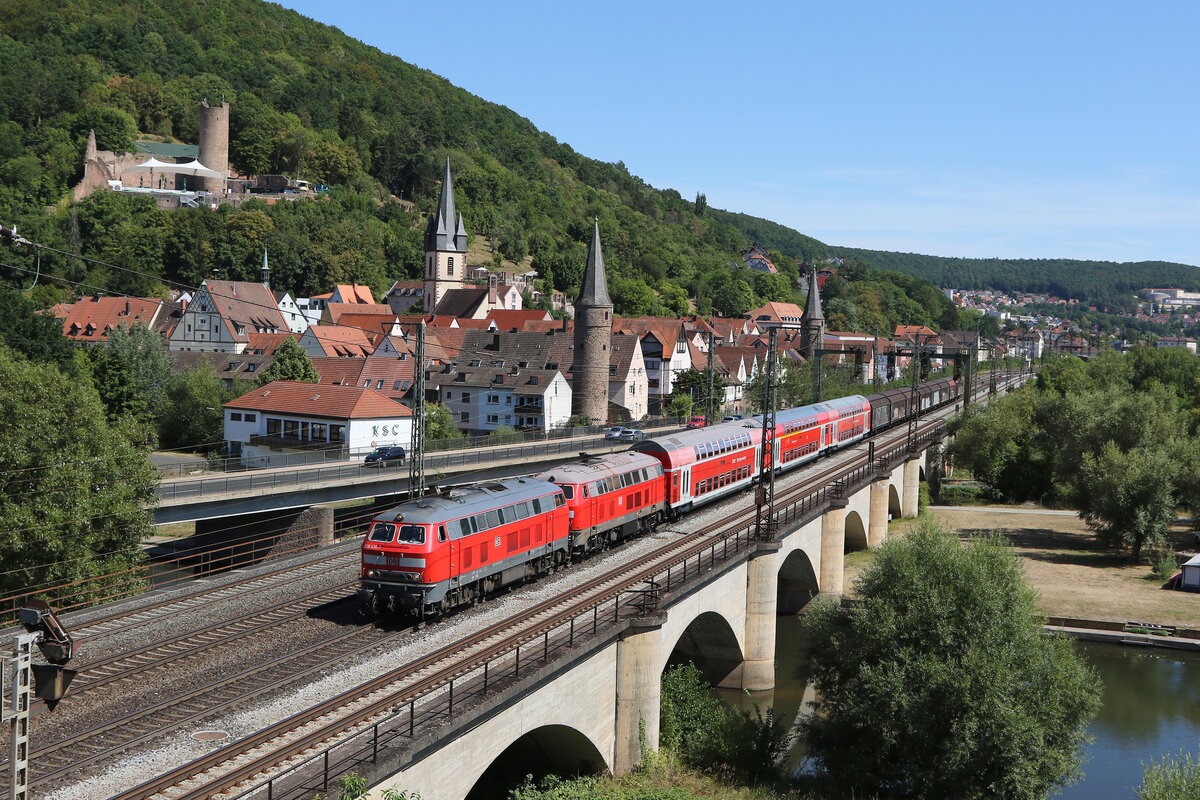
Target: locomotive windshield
x,y
386,532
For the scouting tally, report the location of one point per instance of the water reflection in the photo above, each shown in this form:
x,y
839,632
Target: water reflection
x,y
1151,706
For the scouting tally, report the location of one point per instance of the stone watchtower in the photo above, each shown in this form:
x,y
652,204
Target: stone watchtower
x,y
214,144
813,323
445,247
593,336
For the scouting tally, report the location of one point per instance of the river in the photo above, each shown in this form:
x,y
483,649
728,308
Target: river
x,y
1151,706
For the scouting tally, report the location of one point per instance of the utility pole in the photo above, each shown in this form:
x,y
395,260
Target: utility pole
x,y
709,410
416,449
915,404
764,530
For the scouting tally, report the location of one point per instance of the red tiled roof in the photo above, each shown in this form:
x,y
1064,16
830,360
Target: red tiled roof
x,y
90,320
320,400
334,311
506,319
245,306
355,294
338,341
777,312
267,343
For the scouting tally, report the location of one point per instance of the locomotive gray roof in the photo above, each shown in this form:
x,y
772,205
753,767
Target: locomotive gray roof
x,y
462,501
599,467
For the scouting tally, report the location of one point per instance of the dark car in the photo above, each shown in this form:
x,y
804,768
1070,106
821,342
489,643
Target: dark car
x,y
384,457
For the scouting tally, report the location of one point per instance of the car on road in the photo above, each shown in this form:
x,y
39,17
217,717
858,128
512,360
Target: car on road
x,y
632,435
695,422
385,457
732,417
614,432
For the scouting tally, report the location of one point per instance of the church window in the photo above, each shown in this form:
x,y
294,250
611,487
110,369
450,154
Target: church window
x,y
450,265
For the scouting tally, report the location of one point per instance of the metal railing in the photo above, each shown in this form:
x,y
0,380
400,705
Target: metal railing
x,y
338,453
276,480
432,705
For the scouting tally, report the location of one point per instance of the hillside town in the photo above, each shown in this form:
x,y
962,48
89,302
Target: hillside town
x,y
493,363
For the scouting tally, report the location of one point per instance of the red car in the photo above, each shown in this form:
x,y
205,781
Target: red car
x,y
695,422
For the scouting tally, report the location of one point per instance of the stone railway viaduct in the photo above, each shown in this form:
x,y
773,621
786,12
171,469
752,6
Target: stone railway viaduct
x,y
591,710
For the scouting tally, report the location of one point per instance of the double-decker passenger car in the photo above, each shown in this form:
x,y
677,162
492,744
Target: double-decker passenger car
x,y
708,463
445,549
609,497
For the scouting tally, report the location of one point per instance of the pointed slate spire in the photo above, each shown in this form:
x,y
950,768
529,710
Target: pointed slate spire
x,y
446,230
812,310
265,274
594,292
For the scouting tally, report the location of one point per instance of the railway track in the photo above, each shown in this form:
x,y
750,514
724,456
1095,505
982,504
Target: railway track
x,y
341,715
117,622
356,707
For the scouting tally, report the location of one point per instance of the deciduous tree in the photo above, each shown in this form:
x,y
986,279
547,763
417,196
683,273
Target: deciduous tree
x,y
75,486
940,680
291,364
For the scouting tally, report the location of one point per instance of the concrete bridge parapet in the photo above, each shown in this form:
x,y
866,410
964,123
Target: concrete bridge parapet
x,y
723,617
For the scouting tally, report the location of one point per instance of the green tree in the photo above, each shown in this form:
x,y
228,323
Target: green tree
x,y
291,364
75,488
196,399
38,337
940,681
694,384
439,423
132,372
1171,778
1128,498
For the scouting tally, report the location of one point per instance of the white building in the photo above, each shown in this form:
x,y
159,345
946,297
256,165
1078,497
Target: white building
x,y
285,418
482,399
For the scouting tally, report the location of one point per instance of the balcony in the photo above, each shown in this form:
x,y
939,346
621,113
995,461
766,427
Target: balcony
x,y
276,442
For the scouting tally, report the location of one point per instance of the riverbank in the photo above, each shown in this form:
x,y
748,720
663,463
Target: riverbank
x,y
1074,575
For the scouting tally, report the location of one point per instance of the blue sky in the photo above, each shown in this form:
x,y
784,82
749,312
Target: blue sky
x,y
1052,129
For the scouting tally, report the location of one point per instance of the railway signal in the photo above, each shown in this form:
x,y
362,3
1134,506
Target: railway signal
x,y
27,680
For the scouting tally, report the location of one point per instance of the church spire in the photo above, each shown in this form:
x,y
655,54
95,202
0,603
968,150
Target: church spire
x,y
446,231
812,310
594,292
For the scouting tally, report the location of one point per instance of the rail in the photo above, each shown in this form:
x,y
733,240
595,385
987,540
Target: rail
x,y
433,701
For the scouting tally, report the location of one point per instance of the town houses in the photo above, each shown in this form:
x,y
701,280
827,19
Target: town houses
x,y
499,355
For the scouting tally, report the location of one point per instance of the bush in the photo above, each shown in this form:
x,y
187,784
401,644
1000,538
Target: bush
x,y
922,498
1172,778
1164,563
709,735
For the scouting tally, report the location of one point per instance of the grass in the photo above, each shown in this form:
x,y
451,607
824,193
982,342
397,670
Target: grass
x,y
1073,574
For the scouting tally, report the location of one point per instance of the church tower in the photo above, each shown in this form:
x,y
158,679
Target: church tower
x,y
445,248
593,339
813,323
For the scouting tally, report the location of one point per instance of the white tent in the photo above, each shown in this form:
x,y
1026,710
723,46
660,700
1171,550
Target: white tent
x,y
1191,575
187,168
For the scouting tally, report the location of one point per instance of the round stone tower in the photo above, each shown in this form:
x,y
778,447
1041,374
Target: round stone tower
x,y
593,337
214,144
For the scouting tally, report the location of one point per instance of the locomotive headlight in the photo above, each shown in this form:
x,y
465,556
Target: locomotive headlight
x,y
372,573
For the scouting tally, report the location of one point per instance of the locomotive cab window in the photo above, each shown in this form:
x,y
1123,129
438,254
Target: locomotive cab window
x,y
382,532
569,491
411,534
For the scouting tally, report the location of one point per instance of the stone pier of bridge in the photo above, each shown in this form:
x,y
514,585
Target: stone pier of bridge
x,y
596,708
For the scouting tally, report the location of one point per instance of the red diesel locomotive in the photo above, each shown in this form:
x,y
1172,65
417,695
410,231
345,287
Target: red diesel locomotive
x,y
457,546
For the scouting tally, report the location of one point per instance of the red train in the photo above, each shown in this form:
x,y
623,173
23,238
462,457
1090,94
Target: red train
x,y
461,544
